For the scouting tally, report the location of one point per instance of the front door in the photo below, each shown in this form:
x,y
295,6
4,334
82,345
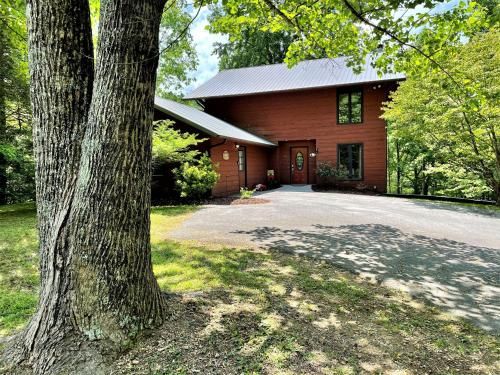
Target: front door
x,y
298,165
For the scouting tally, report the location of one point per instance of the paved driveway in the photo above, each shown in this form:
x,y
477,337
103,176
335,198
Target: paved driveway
x,y
446,253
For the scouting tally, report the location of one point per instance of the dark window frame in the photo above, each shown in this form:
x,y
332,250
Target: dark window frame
x,y
242,150
349,91
362,168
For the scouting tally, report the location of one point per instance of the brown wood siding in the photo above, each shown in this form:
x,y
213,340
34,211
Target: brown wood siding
x,y
230,180
228,169
257,165
312,115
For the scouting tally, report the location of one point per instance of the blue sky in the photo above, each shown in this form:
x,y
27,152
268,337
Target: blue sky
x,y
204,40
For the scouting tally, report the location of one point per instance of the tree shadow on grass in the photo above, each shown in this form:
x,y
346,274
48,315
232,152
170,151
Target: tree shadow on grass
x,y
461,278
174,210
269,312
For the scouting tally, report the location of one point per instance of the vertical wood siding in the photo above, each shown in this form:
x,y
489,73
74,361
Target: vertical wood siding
x,y
228,169
311,116
257,165
230,181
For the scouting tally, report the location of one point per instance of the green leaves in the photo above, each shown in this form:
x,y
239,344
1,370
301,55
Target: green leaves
x,y
170,145
196,179
177,53
332,28
459,127
256,44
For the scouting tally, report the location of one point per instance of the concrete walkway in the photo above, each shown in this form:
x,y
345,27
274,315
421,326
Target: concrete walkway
x,y
449,254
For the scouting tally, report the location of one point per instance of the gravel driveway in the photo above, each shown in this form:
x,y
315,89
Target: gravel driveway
x,y
446,253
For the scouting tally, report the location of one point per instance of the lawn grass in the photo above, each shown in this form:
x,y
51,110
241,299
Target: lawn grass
x,y
236,311
18,265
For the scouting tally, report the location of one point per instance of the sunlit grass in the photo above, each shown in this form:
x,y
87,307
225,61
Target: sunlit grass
x,y
18,265
265,311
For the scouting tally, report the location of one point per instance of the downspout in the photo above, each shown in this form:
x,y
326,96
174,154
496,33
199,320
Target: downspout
x,y
215,145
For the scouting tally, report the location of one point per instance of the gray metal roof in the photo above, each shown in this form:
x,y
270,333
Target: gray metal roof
x,y
278,77
206,123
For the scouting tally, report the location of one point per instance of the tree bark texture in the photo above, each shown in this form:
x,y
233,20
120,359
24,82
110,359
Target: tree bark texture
x,y
92,140
3,123
115,293
3,136
60,44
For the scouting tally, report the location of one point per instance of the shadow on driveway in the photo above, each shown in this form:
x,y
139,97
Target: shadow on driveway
x,y
461,278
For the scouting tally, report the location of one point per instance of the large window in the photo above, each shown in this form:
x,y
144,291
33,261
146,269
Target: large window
x,y
350,159
350,106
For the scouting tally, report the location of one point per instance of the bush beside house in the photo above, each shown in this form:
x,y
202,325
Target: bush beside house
x,y
196,179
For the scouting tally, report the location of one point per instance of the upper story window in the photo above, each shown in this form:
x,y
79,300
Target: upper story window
x,y
350,106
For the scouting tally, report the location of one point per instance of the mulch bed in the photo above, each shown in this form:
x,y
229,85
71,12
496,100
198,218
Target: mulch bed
x,y
232,201
343,190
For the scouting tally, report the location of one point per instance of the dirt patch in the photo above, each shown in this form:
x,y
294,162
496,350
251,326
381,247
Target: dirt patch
x,y
232,201
282,314
250,201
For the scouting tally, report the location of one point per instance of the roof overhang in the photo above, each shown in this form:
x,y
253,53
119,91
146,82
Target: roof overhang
x,y
305,88
208,124
279,78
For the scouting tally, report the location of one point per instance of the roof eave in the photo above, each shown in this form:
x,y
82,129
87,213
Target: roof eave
x,y
263,143
189,97
187,121
210,133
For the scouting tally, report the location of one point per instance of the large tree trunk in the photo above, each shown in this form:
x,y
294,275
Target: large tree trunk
x,y
92,142
61,70
3,136
115,291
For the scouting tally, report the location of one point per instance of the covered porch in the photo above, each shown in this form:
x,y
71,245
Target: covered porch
x,y
242,158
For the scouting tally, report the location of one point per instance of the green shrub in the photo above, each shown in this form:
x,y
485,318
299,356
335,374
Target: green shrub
x,y
196,179
245,193
329,174
327,169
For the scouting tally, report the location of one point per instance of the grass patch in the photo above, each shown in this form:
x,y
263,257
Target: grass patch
x,y
18,265
261,312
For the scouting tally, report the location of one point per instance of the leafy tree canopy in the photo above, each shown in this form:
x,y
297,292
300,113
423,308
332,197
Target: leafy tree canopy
x,y
356,29
177,53
253,47
463,133
16,160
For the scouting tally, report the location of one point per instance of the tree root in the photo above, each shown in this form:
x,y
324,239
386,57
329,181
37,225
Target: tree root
x,y
73,355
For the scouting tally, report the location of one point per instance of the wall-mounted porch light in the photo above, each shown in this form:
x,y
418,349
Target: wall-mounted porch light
x,y
314,153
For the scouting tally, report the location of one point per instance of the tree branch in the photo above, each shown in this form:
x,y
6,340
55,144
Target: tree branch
x,y
387,32
278,11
